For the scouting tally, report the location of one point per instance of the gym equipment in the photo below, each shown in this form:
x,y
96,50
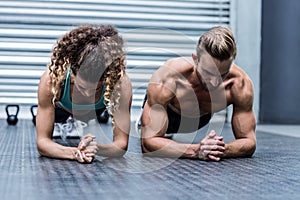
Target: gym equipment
x,y
12,119
103,118
33,114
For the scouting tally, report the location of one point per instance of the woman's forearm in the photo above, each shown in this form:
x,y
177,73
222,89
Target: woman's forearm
x,y
47,147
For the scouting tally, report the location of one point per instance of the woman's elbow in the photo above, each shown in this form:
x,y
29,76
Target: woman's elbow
x,y
40,148
121,150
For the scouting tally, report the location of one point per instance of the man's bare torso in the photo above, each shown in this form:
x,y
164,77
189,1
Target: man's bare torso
x,y
190,98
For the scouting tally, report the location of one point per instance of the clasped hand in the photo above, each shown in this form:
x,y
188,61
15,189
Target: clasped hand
x,y
87,149
211,147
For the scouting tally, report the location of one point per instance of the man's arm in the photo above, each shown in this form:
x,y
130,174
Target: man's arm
x,y
154,126
243,126
154,123
243,123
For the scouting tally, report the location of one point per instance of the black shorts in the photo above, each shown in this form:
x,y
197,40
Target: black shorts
x,y
182,124
62,115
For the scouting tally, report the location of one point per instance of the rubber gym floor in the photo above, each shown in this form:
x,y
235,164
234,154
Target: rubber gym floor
x,y
272,173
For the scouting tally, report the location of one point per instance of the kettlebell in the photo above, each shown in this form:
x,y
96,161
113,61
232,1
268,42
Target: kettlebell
x,y
12,119
33,114
103,117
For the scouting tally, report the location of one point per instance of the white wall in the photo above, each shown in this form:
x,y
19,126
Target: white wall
x,y
246,23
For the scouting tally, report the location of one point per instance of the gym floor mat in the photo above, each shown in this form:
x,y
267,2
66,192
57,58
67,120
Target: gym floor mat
x,y
272,173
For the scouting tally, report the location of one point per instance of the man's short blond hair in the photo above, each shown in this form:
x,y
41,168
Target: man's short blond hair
x,y
219,43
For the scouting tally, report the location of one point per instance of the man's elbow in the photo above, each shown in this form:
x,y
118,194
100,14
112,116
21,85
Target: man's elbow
x,y
146,145
120,153
251,149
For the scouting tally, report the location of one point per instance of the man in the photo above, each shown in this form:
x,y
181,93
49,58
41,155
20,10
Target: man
x,y
184,93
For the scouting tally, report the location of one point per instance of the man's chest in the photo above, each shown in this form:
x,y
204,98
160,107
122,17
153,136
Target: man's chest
x,y
195,102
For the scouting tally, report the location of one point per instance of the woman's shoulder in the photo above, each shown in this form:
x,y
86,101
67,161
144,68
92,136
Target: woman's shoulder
x,y
44,90
124,87
125,82
45,80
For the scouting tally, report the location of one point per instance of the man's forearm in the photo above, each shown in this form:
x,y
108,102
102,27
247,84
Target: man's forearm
x,y
163,147
239,148
113,149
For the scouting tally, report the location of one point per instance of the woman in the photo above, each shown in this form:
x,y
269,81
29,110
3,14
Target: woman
x,y
85,77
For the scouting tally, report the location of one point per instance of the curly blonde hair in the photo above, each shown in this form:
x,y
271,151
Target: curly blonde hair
x,y
97,51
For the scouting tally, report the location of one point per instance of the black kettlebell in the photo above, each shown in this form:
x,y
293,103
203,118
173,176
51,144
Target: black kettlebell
x,y
33,114
12,119
103,118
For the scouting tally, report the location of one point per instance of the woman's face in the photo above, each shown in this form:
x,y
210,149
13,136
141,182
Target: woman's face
x,y
87,89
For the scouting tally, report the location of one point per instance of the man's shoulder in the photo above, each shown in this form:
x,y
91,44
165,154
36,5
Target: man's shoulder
x,y
241,87
173,66
172,69
241,78
179,62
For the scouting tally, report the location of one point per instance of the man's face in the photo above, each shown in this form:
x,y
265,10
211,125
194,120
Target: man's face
x,y
211,71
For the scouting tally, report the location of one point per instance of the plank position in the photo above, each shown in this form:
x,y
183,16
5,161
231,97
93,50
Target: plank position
x,y
183,94
86,76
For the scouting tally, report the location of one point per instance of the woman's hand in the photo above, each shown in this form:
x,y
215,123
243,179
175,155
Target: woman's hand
x,y
87,149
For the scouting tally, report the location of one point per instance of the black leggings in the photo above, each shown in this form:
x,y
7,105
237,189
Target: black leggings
x,y
61,115
182,124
